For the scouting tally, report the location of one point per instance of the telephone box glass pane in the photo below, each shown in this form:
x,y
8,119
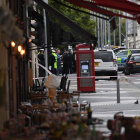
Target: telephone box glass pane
x,y
84,67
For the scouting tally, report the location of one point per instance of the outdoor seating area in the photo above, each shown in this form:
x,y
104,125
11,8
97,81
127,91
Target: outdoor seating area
x,y
60,116
46,117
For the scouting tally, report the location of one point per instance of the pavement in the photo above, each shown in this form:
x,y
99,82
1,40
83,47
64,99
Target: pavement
x,y
104,102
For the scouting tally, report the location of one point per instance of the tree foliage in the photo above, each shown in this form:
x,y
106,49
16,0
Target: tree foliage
x,y
82,19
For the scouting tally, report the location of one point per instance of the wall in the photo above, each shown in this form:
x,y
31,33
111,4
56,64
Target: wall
x,y
4,90
4,84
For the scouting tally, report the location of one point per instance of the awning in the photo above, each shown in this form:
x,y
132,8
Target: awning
x,y
123,5
95,7
83,33
129,7
105,16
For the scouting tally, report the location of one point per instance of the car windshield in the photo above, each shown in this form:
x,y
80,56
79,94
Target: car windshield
x,y
135,58
118,50
104,55
135,51
122,54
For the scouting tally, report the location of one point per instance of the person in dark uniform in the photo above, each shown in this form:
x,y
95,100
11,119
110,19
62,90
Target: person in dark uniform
x,y
41,60
65,63
70,57
74,61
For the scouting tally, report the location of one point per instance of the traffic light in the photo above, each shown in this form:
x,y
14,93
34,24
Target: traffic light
x,y
113,23
37,33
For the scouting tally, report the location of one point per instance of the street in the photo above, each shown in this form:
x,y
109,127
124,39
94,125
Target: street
x,y
104,101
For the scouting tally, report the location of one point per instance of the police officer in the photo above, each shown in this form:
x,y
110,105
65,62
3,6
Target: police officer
x,y
58,61
65,63
70,60
129,52
55,63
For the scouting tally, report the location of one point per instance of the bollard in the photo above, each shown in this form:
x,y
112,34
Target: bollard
x,y
118,91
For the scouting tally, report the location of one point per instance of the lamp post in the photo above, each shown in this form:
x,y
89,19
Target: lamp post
x,y
134,30
45,37
126,28
119,30
98,34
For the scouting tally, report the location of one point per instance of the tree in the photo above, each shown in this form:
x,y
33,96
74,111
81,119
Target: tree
x,y
82,19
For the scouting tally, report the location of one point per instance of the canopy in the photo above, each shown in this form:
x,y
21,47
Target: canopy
x,y
126,6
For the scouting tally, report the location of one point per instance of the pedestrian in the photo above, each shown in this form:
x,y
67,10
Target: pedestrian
x,y
58,61
41,61
65,63
70,57
74,61
54,70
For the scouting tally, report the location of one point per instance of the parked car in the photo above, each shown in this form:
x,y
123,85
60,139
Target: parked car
x,y
105,63
122,55
116,50
132,64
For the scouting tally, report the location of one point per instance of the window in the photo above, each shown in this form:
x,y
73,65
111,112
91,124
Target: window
x,y
104,55
122,54
118,49
135,58
135,51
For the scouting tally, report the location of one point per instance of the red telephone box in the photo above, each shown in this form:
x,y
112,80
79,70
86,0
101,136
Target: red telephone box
x,y
85,68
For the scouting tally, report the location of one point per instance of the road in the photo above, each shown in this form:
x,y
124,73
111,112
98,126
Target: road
x,y
104,101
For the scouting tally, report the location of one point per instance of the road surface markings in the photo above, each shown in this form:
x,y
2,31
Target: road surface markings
x,y
104,97
111,115
102,93
136,83
113,102
124,112
109,84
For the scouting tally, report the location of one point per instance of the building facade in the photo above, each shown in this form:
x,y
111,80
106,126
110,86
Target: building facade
x,y
13,65
130,32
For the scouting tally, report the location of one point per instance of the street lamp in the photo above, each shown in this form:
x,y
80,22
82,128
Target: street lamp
x,y
13,44
19,48
30,40
22,52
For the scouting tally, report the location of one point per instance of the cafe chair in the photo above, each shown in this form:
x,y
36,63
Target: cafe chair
x,y
63,83
64,94
76,97
71,97
37,86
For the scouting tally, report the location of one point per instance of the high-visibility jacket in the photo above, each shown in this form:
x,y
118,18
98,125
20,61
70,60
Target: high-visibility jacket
x,y
129,52
55,64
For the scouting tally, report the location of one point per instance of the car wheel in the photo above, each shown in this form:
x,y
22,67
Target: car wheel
x,y
126,72
114,77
